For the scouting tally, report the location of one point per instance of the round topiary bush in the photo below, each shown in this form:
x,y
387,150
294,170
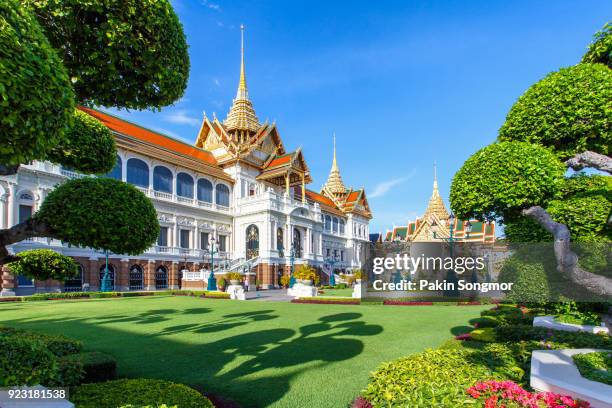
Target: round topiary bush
x,y
37,98
102,214
43,264
568,111
505,177
122,53
529,278
600,50
89,146
113,394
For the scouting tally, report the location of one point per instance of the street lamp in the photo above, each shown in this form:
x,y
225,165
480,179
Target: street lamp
x,y
106,286
332,260
212,282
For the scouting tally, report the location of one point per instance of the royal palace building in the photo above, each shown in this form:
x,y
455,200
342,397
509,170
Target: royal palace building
x,y
237,195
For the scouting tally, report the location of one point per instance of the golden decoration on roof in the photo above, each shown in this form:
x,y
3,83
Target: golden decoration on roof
x,y
334,184
241,116
436,205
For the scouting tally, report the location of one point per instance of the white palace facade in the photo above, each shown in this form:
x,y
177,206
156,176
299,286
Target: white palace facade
x,y
238,185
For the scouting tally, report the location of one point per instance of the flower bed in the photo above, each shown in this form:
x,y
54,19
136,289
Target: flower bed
x,y
394,302
509,394
327,301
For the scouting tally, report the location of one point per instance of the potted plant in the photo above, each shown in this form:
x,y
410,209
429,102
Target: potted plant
x,y
285,280
306,275
235,278
221,283
357,274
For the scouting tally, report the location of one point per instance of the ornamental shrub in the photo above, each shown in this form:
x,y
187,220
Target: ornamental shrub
x,y
595,366
43,264
102,214
516,333
600,50
112,394
57,344
509,394
122,53
485,334
97,367
567,111
503,178
37,98
234,276
89,146
485,321
25,361
529,278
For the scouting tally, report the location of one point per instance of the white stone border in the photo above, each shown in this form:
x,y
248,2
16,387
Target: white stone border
x,y
550,323
555,371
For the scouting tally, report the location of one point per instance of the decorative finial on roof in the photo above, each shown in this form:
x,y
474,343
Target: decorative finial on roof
x,y
241,115
334,184
436,204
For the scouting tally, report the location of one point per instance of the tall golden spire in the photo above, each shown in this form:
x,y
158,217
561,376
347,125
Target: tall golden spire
x,y
334,184
241,116
436,205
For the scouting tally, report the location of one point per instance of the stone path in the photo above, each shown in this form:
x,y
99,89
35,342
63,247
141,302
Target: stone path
x,y
275,295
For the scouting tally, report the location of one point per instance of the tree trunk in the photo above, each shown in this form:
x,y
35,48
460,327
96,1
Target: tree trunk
x,y
27,229
590,159
567,260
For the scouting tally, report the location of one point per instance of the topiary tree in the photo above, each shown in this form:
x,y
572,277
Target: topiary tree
x,y
600,50
121,53
563,121
44,264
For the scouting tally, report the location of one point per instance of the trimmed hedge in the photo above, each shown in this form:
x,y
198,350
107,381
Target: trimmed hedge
x,y
117,393
58,345
26,361
97,367
327,301
201,293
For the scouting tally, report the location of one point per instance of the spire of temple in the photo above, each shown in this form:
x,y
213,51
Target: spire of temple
x,y
334,184
241,116
436,205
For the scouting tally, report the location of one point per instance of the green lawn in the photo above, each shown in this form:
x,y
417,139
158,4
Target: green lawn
x,y
348,292
256,353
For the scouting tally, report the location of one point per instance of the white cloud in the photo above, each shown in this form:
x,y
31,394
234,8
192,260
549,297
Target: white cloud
x,y
212,6
217,82
383,187
182,118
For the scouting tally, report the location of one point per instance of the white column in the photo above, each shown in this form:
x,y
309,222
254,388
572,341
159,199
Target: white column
x,y
175,241
124,169
2,211
12,204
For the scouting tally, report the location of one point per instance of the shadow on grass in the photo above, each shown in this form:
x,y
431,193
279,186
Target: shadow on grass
x,y
254,368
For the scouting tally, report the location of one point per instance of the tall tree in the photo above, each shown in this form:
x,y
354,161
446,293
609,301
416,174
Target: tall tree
x,y
55,54
563,121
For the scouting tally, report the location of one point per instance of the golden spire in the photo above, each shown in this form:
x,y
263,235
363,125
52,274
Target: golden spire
x,y
436,205
241,115
334,184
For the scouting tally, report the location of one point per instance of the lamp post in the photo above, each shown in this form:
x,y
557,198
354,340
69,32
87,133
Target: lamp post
x,y
291,261
105,286
451,276
212,282
332,260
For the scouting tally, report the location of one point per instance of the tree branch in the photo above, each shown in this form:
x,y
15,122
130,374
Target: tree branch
x,y
567,260
8,170
27,229
590,159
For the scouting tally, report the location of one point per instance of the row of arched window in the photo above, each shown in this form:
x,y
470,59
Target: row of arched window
x,y
163,180
333,224
136,278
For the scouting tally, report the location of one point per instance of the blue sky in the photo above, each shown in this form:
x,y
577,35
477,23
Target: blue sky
x,y
402,84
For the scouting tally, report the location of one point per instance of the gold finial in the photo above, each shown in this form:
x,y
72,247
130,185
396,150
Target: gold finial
x,y
435,182
334,184
241,116
436,204
334,162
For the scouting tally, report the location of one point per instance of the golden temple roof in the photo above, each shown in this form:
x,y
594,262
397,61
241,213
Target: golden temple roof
x,y
436,205
334,184
241,115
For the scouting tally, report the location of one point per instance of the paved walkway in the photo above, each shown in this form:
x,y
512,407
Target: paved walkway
x,y
276,295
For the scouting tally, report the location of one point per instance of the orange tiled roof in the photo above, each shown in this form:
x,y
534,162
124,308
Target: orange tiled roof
x,y
279,161
135,131
353,196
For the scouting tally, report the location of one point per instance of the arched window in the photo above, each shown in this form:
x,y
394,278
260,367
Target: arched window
x,y
328,223
162,179
222,195
26,205
280,245
136,277
111,275
115,173
335,224
161,278
297,243
138,173
205,189
75,284
184,185
342,227
252,242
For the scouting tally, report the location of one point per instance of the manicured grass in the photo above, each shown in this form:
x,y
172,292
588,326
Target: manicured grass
x,y
348,292
256,353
